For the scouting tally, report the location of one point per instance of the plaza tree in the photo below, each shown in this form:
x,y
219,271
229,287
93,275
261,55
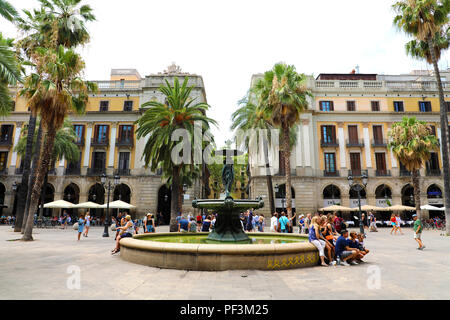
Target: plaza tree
x,y
8,11
55,89
54,24
246,119
411,142
9,73
282,96
425,20
159,123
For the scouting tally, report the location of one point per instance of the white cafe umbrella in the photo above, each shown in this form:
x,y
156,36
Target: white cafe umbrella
x,y
87,205
336,208
400,208
60,204
431,208
118,205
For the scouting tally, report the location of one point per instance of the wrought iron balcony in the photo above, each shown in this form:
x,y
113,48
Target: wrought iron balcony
x,y
382,143
96,171
100,142
329,143
123,172
72,172
357,173
327,173
355,143
19,171
434,172
383,173
405,173
80,142
125,142
6,141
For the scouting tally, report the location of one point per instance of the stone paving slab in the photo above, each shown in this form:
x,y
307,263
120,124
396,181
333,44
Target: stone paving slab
x,y
38,270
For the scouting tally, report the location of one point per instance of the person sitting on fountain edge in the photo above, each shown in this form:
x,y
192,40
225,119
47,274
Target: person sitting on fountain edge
x,y
343,251
183,224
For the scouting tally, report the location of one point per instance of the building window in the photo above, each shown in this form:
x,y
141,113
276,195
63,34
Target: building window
x,y
3,161
433,163
353,134
447,103
433,130
351,106
375,105
380,159
128,105
330,162
355,164
425,106
79,130
398,106
326,106
378,134
6,133
101,133
104,106
124,162
328,134
126,134
99,161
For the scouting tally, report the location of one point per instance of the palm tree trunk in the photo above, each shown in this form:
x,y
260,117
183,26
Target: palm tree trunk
x,y
41,172
175,198
287,161
416,185
23,190
33,175
269,177
44,189
444,136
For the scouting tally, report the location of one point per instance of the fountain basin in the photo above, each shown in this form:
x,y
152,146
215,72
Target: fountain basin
x,y
147,250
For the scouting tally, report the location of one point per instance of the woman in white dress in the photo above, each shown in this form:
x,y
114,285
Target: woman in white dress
x,y
88,224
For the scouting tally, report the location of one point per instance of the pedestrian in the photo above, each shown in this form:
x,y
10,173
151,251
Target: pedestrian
x,y
398,222
81,222
249,226
88,223
283,223
301,224
192,227
206,226
373,223
199,222
125,231
149,224
314,238
393,224
118,224
183,224
274,223
262,223
418,228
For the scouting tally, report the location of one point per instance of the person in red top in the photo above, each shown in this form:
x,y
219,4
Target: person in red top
x,y
199,222
393,224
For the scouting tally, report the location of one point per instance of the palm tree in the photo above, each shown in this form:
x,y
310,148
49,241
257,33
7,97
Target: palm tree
x,y
55,89
159,122
54,20
411,142
424,19
9,73
282,96
249,117
7,10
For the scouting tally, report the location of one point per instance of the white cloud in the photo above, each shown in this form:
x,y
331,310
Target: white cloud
x,y
228,41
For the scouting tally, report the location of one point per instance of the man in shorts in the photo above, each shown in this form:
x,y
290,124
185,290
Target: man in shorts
x,y
344,253
418,227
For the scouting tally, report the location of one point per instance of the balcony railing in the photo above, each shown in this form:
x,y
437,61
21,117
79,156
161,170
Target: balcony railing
x,y
118,85
123,172
405,173
329,143
19,171
355,143
72,172
362,85
100,142
96,171
383,173
357,173
434,172
383,143
6,141
327,173
80,142
125,142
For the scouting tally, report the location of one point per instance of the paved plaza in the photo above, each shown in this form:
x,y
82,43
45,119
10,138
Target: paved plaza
x,y
39,270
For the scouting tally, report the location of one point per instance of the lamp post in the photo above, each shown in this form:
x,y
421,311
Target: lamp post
x,y
108,185
359,188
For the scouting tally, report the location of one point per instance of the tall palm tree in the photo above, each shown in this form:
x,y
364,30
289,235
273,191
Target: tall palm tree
x,y
54,90
9,73
282,95
159,122
249,117
7,11
50,26
423,19
411,142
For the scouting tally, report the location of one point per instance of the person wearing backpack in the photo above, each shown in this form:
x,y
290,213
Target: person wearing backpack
x,y
283,223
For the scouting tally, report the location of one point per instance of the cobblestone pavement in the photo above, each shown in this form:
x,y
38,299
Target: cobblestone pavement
x,y
39,270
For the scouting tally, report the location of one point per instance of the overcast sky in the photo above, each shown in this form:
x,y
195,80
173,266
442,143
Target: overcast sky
x,y
228,41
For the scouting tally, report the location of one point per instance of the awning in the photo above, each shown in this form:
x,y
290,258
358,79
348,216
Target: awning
x,y
118,205
87,205
60,204
431,208
336,208
400,208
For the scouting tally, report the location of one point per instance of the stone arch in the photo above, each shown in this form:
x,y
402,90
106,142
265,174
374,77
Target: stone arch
x,y
406,193
97,194
164,201
72,193
382,191
122,192
49,196
2,197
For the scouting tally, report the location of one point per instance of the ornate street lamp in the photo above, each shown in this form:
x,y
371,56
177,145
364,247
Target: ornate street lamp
x,y
359,188
108,185
15,186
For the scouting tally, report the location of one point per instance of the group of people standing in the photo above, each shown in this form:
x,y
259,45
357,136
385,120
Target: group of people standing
x,y
84,223
252,222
